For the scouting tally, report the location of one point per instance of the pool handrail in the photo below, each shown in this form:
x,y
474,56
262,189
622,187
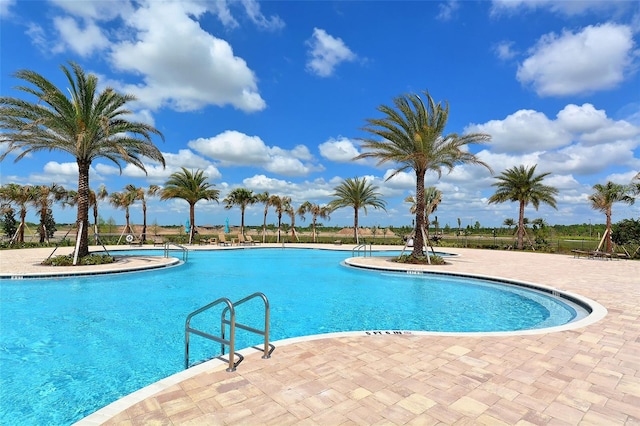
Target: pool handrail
x,y
268,348
230,342
185,251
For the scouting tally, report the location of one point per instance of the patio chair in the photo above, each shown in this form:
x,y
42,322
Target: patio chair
x,y
222,241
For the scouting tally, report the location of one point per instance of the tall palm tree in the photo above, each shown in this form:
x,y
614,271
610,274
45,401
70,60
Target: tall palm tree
x,y
280,206
21,196
316,211
432,199
44,197
139,194
359,194
88,125
123,200
192,187
603,199
520,184
412,137
265,199
292,212
94,198
241,197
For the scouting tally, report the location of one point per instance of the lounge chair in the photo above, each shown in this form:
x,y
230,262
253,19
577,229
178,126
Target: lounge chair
x,y
250,240
157,242
244,240
205,241
222,241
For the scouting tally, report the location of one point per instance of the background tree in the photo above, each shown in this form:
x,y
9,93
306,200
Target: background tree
x,y
359,194
88,125
412,136
627,231
20,196
280,205
509,222
49,224
520,184
316,211
9,223
265,199
44,197
603,199
191,187
123,200
291,211
242,198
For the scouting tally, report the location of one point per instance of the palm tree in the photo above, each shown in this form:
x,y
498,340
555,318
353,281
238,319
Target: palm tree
x,y
94,198
21,196
604,198
191,187
509,222
265,199
291,211
359,194
123,200
519,184
139,193
316,211
432,199
412,136
280,206
44,197
241,197
88,125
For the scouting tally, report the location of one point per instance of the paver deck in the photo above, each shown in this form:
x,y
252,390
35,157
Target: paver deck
x,y
589,375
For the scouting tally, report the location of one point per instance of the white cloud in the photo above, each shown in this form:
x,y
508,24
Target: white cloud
x,y
326,53
597,58
186,68
83,41
5,6
252,8
233,148
568,8
96,10
340,150
447,10
523,131
504,50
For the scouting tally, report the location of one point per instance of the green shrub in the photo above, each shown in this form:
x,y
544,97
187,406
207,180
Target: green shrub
x,y
421,260
67,260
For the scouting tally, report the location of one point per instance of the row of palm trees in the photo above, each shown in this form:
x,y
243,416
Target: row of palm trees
x,y
89,125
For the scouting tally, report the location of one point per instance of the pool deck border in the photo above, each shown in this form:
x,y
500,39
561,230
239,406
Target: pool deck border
x,y
589,375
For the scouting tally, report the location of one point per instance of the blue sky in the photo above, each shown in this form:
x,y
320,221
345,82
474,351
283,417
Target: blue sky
x,y
271,96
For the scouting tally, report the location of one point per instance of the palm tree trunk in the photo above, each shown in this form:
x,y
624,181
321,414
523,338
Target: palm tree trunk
x,y
313,227
127,228
242,220
521,226
83,207
608,230
144,221
95,220
355,225
418,240
192,219
42,229
23,219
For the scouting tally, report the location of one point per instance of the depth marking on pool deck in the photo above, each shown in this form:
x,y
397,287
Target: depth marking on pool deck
x,y
386,332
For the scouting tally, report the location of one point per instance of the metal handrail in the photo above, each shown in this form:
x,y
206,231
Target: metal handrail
x,y
230,342
268,348
356,250
185,251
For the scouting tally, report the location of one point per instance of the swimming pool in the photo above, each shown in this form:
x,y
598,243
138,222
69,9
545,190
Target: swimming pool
x,y
70,346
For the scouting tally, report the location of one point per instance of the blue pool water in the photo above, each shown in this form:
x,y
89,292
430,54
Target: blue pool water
x,y
70,346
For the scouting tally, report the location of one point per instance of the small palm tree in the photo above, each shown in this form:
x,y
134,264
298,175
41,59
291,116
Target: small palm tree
x,y
316,211
88,125
509,222
359,194
191,187
604,198
280,205
20,196
412,136
432,199
139,194
291,211
241,197
520,184
123,200
44,197
265,199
